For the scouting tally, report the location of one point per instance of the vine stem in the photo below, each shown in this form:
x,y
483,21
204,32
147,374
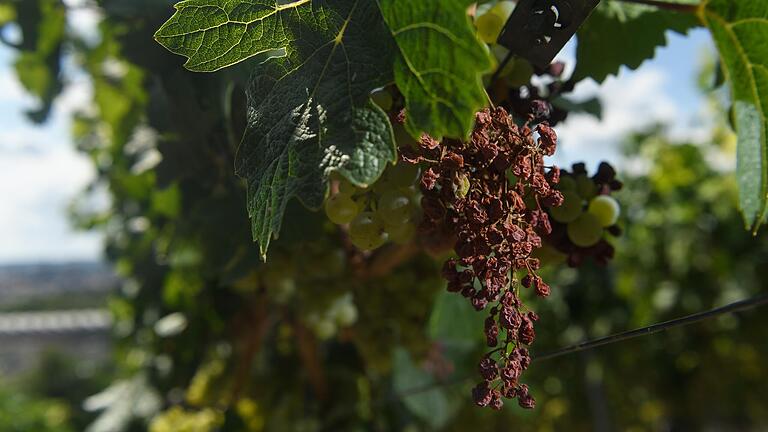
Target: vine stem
x,y
678,7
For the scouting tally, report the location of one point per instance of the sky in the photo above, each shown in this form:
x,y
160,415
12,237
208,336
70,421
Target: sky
x,y
41,172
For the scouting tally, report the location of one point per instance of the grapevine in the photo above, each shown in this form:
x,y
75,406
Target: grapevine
x,y
359,203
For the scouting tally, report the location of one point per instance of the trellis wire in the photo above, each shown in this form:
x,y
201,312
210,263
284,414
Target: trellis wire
x,y
738,306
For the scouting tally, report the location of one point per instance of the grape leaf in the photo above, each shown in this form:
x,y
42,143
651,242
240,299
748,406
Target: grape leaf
x,y
439,64
740,31
309,108
624,34
309,112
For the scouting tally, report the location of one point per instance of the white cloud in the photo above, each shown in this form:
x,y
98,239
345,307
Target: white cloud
x,y
36,188
633,101
40,174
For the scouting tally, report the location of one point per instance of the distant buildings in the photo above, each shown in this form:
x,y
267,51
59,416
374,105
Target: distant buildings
x,y
54,308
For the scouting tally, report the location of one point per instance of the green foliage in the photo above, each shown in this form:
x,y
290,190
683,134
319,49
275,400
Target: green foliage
x,y
309,113
438,64
42,26
433,407
740,30
20,413
202,323
619,34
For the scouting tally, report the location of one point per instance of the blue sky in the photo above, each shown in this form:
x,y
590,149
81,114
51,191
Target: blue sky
x,y
41,172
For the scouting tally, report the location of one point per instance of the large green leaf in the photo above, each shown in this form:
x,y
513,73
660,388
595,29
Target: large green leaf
x,y
309,109
619,34
740,31
439,64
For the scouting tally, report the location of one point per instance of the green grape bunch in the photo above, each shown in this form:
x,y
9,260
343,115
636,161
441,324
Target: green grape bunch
x,y
388,211
589,214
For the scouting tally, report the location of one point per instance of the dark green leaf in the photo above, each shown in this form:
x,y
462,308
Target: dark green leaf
x,y
439,64
308,103
624,34
740,31
309,111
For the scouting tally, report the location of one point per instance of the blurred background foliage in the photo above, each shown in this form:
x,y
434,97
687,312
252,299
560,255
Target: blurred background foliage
x,y
209,338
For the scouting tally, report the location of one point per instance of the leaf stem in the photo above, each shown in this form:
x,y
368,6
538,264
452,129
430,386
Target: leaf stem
x,y
678,7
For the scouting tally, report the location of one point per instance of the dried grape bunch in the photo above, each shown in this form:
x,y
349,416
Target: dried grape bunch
x,y
490,194
587,214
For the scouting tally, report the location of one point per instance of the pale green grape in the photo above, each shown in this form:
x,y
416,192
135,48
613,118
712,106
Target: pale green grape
x,y
503,9
394,207
383,184
345,314
585,231
571,208
519,73
548,255
383,99
606,208
340,209
463,187
325,328
403,233
346,188
283,289
403,174
586,187
367,232
489,26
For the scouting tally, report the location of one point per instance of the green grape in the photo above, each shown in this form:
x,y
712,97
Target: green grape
x,y
606,208
340,209
283,290
503,9
571,208
346,188
345,314
402,233
367,232
585,231
520,73
489,26
383,99
394,208
403,174
324,328
586,187
548,255
383,184
464,186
